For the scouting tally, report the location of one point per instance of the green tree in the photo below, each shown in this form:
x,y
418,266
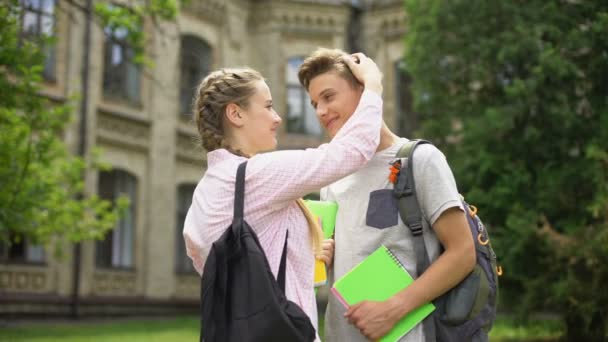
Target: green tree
x,y
42,197
516,95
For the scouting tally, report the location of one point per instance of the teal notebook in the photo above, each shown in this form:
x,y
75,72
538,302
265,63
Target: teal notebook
x,y
326,211
377,278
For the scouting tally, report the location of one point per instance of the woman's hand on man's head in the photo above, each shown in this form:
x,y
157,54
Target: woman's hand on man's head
x,y
366,71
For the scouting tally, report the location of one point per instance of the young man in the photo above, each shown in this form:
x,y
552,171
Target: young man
x,y
361,228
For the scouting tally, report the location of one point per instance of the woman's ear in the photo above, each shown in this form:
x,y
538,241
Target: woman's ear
x,y
234,115
360,87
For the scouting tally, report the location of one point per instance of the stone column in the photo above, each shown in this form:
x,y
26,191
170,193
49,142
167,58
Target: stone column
x,y
158,242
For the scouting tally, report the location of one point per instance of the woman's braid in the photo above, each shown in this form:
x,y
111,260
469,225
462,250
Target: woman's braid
x,y
215,92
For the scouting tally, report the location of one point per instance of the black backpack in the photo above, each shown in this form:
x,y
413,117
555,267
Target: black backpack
x,y
467,311
240,298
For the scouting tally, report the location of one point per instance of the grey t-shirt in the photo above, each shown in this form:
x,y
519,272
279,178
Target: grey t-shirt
x,y
355,239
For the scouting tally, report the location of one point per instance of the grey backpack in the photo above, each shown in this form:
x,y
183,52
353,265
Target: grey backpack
x,y
467,311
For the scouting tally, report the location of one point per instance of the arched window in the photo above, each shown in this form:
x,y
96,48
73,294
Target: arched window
x,y
116,249
183,264
121,76
195,63
38,24
301,117
407,121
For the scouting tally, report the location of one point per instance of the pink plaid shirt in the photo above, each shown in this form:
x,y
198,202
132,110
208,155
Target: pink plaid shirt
x,y
273,182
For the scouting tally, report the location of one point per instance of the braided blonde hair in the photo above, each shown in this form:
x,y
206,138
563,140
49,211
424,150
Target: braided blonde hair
x,y
316,233
213,95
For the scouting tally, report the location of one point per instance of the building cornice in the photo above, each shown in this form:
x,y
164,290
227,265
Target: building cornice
x,y
291,17
389,22
123,129
208,10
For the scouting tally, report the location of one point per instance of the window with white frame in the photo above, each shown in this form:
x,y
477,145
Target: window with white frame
x,y
301,117
116,250
183,263
38,25
121,76
195,63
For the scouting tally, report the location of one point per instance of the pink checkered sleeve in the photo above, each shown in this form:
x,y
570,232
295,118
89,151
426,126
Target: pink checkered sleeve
x,y
282,176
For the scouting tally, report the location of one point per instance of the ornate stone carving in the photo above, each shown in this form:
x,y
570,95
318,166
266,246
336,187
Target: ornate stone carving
x,y
393,25
209,10
288,20
382,3
123,129
25,280
187,286
114,283
386,24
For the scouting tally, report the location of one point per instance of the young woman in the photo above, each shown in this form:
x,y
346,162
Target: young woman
x,y
237,122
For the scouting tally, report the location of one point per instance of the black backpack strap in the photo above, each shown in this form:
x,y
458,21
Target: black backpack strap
x,y
283,265
239,191
411,214
239,205
409,208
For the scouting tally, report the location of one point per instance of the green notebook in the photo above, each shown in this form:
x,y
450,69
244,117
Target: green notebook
x,y
326,211
380,276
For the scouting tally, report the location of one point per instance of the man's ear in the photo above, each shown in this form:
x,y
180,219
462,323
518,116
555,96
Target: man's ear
x,y
234,114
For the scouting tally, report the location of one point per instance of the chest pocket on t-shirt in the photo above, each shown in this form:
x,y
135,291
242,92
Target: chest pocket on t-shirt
x,y
382,210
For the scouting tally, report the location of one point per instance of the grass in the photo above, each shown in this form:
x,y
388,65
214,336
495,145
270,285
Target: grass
x,y
148,330
187,329
507,330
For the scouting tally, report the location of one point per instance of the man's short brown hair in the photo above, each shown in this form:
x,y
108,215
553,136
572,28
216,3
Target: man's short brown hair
x,y
322,61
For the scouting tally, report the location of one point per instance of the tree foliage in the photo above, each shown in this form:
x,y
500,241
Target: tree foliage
x,y
43,197
516,95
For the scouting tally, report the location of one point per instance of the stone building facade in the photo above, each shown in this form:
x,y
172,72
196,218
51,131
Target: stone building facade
x,y
139,119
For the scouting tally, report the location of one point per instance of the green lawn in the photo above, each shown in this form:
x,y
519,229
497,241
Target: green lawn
x,y
147,330
506,330
186,329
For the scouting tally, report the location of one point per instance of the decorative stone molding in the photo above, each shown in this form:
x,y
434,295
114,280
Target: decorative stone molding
x,y
114,283
382,3
209,10
304,19
393,26
187,286
28,279
123,129
383,25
